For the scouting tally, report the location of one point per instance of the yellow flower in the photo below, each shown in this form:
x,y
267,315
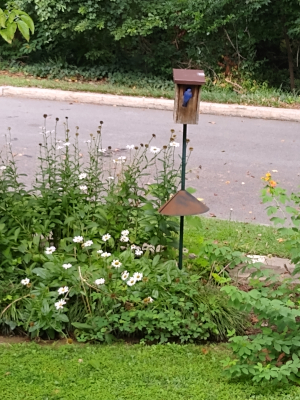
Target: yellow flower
x,y
272,184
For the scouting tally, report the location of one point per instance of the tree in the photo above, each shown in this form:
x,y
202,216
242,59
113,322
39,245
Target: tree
x,y
11,20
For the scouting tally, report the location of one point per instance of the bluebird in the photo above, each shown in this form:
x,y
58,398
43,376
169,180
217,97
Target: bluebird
x,y
187,95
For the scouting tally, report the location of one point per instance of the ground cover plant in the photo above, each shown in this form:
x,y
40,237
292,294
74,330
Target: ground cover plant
x,y
216,91
123,372
273,353
86,253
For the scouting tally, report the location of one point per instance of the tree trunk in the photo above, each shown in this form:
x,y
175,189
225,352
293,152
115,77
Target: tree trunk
x,y
290,57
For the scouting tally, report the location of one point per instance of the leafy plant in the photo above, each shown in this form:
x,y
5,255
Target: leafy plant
x,y
273,353
12,20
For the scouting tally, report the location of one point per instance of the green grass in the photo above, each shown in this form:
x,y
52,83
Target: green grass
x,y
245,237
216,94
124,372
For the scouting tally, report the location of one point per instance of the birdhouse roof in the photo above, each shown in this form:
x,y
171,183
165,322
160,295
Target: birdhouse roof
x,y
189,76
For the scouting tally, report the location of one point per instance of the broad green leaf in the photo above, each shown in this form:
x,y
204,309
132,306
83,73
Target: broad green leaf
x,y
2,20
28,21
23,28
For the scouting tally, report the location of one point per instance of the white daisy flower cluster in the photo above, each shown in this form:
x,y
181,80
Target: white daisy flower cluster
x,y
67,266
88,243
120,160
106,237
25,281
137,276
137,249
78,239
154,149
50,250
60,304
116,264
104,254
82,176
100,281
124,236
148,300
3,167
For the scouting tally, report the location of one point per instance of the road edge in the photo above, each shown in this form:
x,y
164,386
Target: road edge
x,y
233,110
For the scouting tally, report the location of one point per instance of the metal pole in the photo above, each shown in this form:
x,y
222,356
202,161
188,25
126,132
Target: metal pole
x,y
182,188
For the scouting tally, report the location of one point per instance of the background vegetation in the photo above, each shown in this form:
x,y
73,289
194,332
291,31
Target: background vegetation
x,y
244,41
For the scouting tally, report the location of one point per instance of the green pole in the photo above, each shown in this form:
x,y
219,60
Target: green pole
x,y
182,188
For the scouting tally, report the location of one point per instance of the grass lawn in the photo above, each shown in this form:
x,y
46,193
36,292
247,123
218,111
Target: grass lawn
x,y
124,372
268,97
245,237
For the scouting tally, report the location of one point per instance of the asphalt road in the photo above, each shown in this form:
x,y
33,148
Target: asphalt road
x,y
233,152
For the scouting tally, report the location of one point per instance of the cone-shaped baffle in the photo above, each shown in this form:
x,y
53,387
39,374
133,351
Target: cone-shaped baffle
x,y
181,204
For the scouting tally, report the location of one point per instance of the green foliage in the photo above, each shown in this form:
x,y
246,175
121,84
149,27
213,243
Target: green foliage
x,y
256,39
11,20
90,230
273,354
127,372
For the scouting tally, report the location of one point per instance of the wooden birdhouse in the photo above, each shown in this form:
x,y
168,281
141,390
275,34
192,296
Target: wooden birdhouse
x,y
188,84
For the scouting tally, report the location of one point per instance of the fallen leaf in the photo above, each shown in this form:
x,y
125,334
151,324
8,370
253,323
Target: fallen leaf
x,y
212,215
227,182
199,198
250,212
211,122
282,140
215,194
204,351
223,151
7,373
280,240
274,170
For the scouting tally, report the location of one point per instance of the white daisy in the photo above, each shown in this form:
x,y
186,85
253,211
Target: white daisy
x,y
67,266
78,239
125,276
133,247
139,252
50,250
124,239
59,304
83,187
63,289
102,150
105,254
59,147
87,141
99,251
122,158
125,232
106,237
110,177
88,243
130,146
131,281
100,281
3,167
154,150
138,276
116,263
25,281
67,144
82,176
174,144
148,300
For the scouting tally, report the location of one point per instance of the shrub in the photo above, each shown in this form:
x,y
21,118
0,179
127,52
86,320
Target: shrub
x,y
273,353
86,248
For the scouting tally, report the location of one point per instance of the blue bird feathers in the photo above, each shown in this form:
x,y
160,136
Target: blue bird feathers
x,y
187,95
